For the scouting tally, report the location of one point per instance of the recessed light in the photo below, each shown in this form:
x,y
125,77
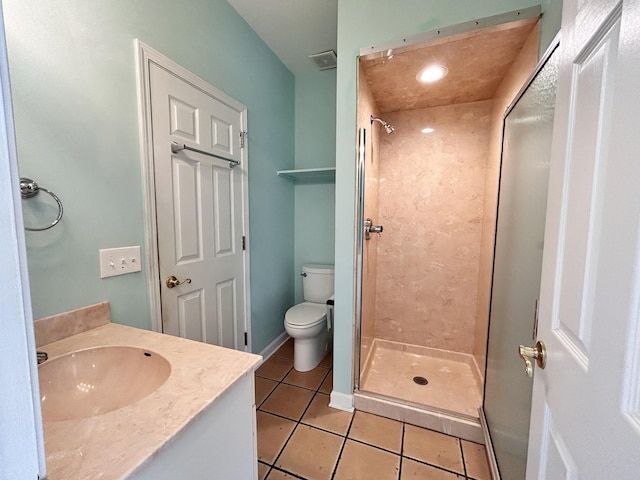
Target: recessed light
x,y
427,130
432,73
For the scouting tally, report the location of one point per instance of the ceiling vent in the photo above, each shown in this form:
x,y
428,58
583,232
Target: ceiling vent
x,y
324,60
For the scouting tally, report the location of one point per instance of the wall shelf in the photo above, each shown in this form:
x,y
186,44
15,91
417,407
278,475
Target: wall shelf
x,y
309,175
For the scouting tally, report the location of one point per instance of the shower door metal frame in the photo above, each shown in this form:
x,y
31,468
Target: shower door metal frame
x,y
383,49
359,236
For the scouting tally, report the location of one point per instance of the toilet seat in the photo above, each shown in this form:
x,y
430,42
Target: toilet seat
x,y
306,314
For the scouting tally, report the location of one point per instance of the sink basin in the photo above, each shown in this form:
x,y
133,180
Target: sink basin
x,y
91,382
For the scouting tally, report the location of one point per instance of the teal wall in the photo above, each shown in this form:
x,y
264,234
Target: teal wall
x,y
74,90
315,147
362,23
550,25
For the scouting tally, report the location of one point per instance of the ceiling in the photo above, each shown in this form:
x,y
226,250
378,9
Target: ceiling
x,y
477,63
477,60
293,29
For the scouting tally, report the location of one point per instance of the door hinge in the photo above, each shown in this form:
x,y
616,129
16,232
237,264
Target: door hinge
x,y
244,242
536,309
246,339
243,136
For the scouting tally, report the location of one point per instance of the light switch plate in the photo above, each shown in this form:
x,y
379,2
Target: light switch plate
x,y
118,261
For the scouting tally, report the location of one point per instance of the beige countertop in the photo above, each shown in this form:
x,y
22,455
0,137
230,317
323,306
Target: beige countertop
x,y
114,444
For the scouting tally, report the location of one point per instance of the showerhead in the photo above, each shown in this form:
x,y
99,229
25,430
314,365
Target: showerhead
x,y
386,126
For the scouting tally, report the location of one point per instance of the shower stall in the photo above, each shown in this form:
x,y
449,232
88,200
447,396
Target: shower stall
x,y
428,176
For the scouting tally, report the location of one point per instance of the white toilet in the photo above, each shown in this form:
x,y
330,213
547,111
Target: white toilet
x,y
307,322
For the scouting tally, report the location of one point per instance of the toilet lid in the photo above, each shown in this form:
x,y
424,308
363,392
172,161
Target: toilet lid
x,y
306,314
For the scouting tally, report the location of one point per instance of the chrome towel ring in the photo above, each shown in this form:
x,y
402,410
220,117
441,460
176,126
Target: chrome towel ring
x,y
29,189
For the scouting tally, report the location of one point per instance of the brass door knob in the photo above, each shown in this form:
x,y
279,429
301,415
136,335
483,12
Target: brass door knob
x,y
174,282
538,353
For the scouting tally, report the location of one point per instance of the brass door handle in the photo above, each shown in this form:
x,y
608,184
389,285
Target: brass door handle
x,y
174,282
538,353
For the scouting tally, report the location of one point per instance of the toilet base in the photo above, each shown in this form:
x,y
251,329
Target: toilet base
x,y
309,352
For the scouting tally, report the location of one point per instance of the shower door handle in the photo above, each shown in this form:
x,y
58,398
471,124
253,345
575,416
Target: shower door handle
x,y
538,353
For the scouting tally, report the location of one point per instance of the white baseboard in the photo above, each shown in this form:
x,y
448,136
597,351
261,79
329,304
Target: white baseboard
x,y
341,401
273,346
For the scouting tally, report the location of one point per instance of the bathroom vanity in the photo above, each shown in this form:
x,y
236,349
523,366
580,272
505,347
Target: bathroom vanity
x,y
199,422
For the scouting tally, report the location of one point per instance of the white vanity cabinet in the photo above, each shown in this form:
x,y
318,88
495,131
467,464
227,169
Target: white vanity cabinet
x,y
219,443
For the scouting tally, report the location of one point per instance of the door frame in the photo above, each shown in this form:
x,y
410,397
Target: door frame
x,y
22,453
145,55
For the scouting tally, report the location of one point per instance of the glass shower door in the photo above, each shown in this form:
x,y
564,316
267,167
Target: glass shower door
x,y
528,126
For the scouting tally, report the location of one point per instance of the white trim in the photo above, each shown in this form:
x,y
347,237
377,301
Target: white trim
x,y
341,401
275,345
144,56
22,452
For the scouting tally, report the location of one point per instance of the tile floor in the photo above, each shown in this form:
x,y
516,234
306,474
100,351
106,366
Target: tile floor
x,y
300,436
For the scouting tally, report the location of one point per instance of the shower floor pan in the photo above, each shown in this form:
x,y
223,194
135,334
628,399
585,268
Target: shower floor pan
x,y
454,382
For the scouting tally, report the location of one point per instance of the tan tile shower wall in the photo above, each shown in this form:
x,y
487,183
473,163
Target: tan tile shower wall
x,y
511,84
431,202
366,108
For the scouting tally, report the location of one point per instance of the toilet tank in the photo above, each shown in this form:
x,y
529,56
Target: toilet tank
x,y
317,282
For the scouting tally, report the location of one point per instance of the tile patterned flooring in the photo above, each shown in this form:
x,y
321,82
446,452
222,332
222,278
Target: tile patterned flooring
x,y
301,437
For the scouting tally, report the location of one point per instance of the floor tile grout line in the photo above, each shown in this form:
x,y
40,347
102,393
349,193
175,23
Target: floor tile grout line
x,y
317,389
344,443
464,463
266,397
299,421
322,429
295,427
280,382
374,446
401,451
269,467
274,388
315,426
295,475
259,409
292,430
346,435
284,445
417,460
329,370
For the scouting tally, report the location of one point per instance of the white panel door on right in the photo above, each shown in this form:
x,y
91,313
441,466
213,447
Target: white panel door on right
x,y
199,204
585,421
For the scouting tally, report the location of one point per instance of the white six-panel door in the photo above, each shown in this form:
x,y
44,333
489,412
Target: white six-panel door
x,y
199,208
585,420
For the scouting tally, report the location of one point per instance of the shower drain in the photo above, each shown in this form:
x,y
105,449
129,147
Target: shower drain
x,y
420,380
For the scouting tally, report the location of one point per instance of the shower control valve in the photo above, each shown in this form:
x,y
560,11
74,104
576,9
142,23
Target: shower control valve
x,y
369,228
